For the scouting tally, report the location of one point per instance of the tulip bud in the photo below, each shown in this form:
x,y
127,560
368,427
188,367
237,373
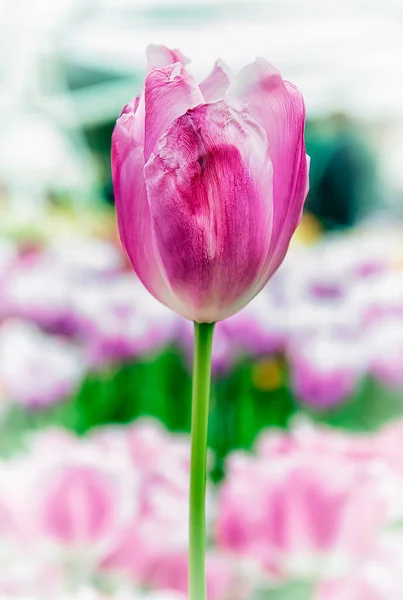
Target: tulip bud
x,y
209,182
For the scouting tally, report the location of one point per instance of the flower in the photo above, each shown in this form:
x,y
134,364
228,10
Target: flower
x,y
259,329
118,320
37,288
277,512
209,182
325,369
82,498
36,369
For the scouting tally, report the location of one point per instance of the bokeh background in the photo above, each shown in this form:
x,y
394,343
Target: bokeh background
x,y
305,488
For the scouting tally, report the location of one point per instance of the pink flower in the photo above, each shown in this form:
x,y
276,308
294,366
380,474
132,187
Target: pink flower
x,y
209,182
376,454
81,499
325,369
119,320
278,513
37,288
36,369
261,328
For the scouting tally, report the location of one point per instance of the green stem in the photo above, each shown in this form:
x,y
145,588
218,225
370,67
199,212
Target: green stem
x,y
203,342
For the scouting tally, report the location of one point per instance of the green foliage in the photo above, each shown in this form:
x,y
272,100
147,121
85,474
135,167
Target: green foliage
x,y
242,403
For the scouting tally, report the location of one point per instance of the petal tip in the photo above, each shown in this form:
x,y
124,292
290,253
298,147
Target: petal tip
x,y
159,56
216,84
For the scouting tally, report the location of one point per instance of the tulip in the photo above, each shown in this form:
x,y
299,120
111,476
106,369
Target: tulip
x,y
37,370
119,320
82,499
278,514
37,289
210,182
325,369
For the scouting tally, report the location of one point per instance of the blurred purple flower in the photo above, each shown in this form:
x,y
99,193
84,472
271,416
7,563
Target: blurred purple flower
x,y
36,369
37,289
120,320
325,370
260,328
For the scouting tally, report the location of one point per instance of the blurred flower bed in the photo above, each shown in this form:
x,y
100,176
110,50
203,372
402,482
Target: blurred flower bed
x,y
104,516
93,500
83,344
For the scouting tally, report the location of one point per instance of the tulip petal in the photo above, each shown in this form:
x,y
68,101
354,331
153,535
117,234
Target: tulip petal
x,y
279,108
157,57
216,84
161,56
133,214
169,92
130,125
210,194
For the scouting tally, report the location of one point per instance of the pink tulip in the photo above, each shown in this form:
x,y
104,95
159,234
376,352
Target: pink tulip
x,y
36,369
325,369
261,328
209,182
82,499
119,320
37,289
278,513
376,454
